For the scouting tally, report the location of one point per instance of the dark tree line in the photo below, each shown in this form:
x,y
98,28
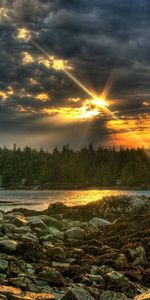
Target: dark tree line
x,y
87,167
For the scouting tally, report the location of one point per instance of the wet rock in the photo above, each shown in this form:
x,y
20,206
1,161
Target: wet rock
x,y
121,262
109,295
118,282
20,281
134,251
75,233
103,270
96,279
30,251
56,208
78,293
3,265
52,222
3,297
76,253
36,222
1,216
52,276
8,246
145,296
20,221
56,253
16,294
99,222
55,233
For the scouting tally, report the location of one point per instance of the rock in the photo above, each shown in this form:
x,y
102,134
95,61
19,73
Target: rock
x,y
1,216
3,265
97,279
56,253
56,233
134,251
52,222
99,222
145,296
109,295
56,208
52,276
121,262
20,221
20,281
75,233
103,270
77,293
8,246
16,294
3,297
118,282
36,222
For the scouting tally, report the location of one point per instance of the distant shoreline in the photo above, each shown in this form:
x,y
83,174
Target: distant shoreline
x,y
78,188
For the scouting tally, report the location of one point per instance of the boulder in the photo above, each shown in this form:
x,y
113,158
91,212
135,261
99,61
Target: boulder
x,y
99,222
52,222
118,282
20,221
56,253
36,222
8,246
96,279
77,293
134,251
3,265
75,233
16,294
52,276
1,216
145,296
55,233
109,295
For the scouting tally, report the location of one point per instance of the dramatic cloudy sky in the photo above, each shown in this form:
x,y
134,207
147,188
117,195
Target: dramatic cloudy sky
x,y
104,44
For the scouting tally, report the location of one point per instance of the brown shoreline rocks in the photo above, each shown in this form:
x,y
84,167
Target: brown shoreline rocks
x,y
97,252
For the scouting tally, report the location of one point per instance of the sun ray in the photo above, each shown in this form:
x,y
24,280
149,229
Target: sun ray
x,y
99,101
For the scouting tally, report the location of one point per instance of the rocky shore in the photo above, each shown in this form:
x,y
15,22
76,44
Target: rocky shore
x,y
97,251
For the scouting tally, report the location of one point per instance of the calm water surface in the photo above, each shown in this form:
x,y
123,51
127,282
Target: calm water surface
x,y
40,200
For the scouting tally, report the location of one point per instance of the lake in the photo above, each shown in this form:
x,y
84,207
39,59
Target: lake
x,y
39,200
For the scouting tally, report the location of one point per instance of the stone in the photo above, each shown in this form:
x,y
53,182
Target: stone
x,y
20,281
52,276
103,270
52,222
121,262
77,293
118,282
145,296
3,297
99,222
8,246
97,279
56,253
1,216
36,222
110,295
134,251
3,265
16,294
75,233
20,221
56,233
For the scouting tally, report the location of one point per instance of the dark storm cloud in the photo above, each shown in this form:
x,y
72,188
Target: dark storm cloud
x,y
97,37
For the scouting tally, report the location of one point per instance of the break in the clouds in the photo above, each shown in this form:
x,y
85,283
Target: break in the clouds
x,y
104,43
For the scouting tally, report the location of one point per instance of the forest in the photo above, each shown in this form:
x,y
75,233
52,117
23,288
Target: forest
x,y
67,168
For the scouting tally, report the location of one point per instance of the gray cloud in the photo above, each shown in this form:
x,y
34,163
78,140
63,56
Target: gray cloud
x,y
97,37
